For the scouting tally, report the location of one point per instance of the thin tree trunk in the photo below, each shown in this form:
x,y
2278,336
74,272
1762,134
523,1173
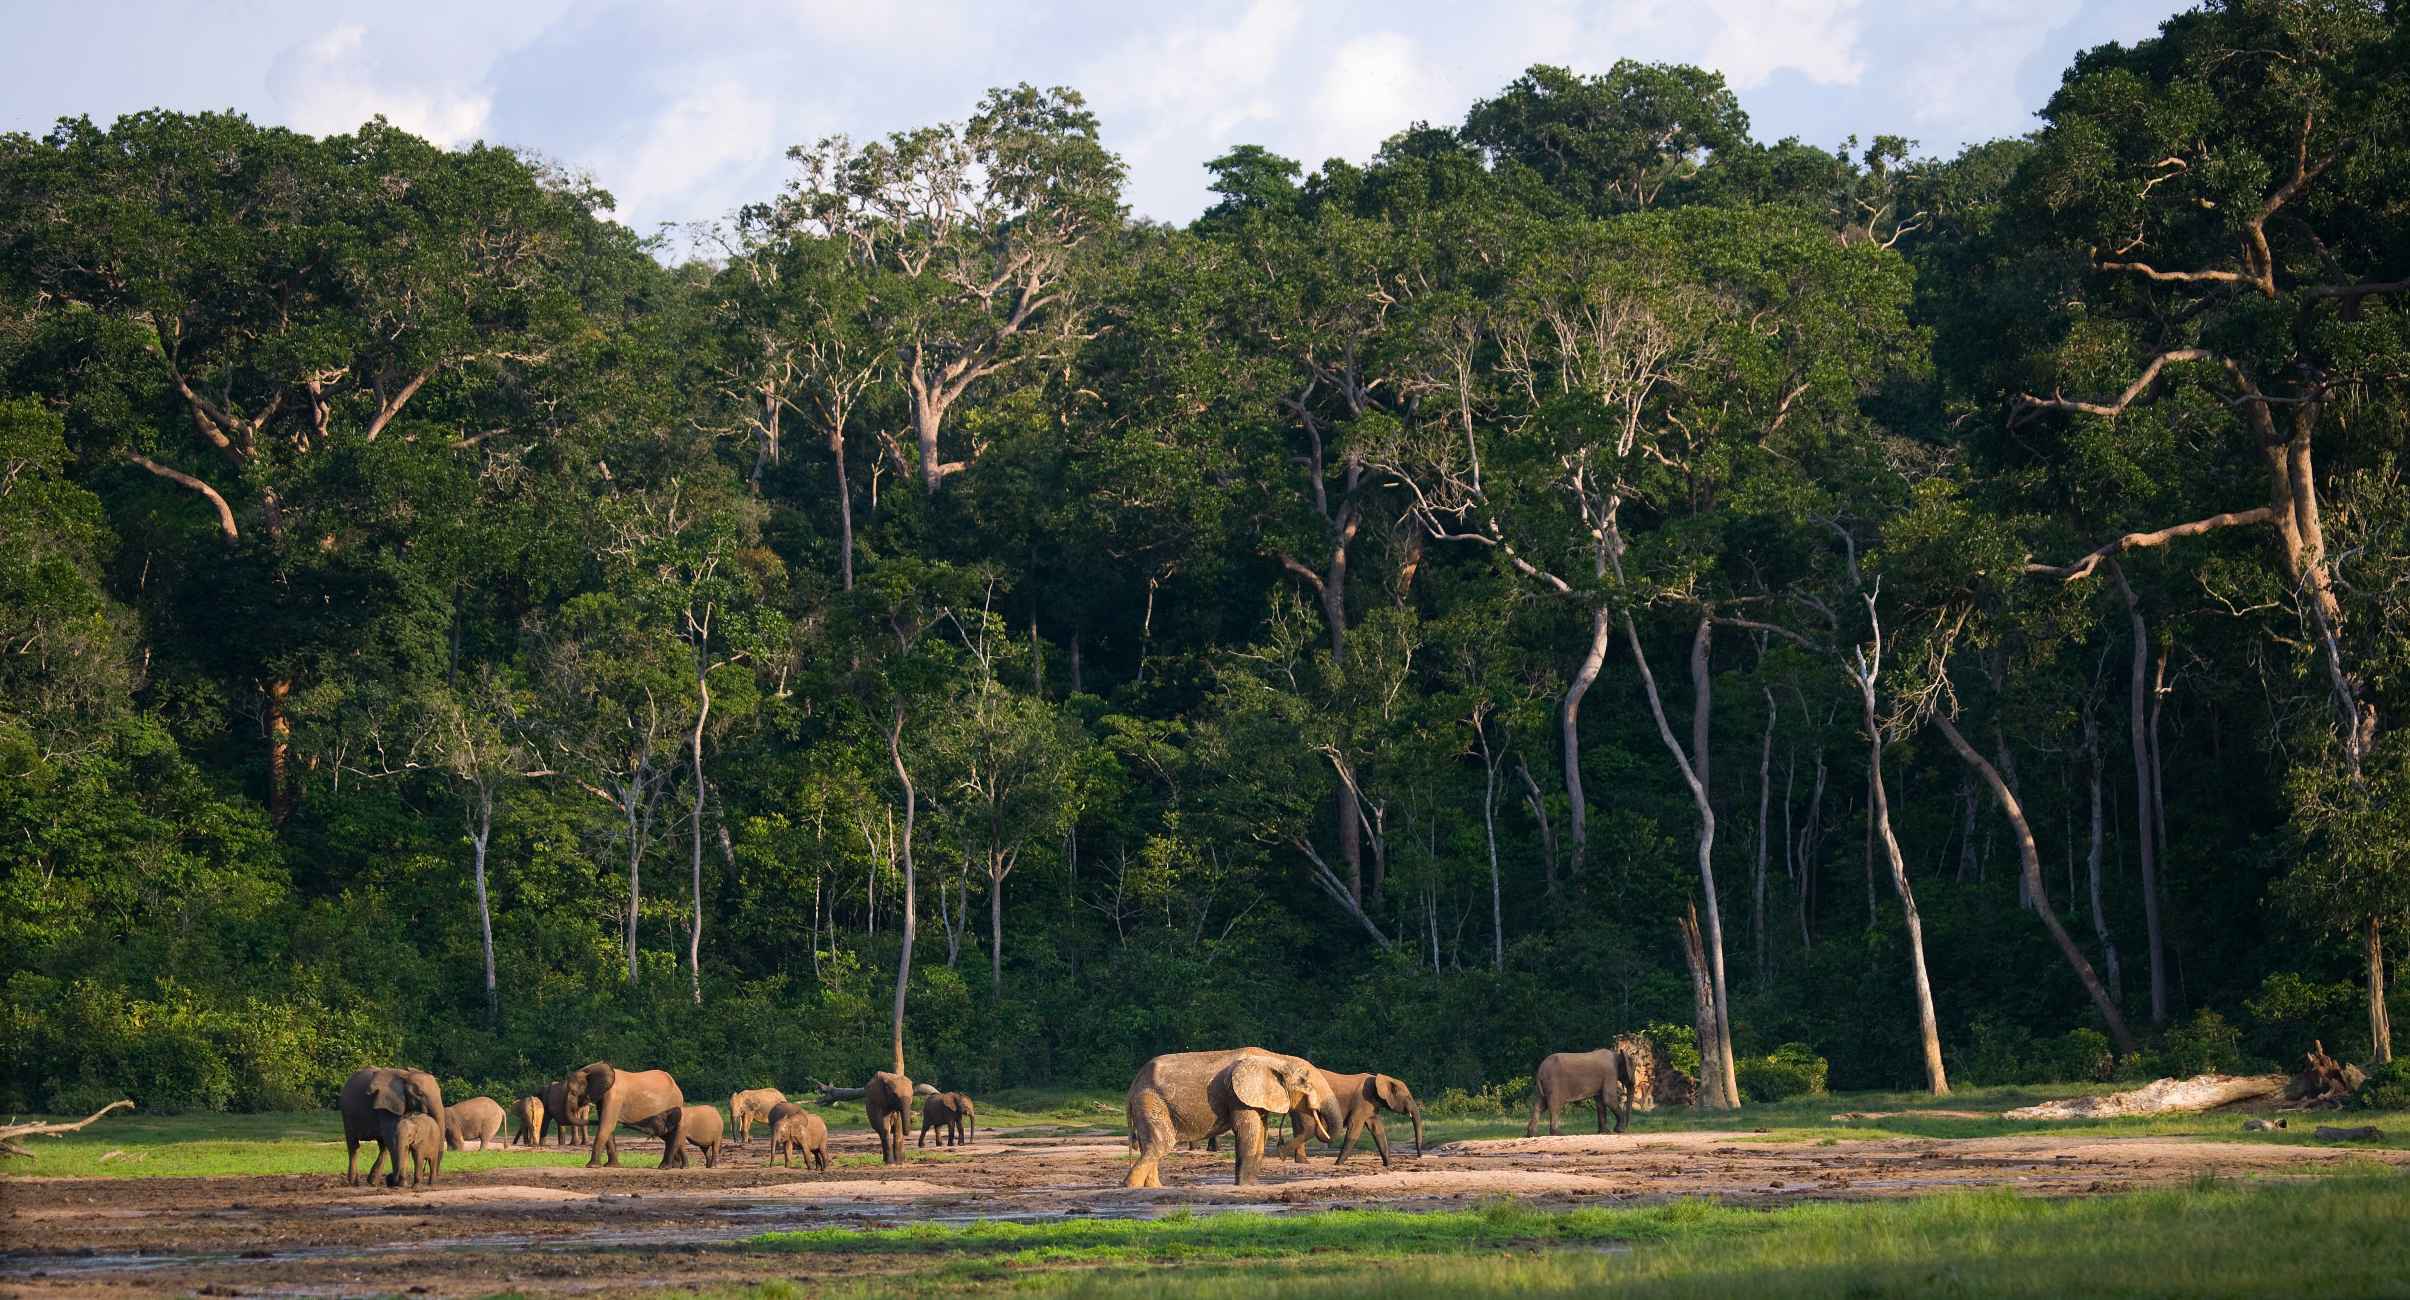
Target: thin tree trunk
x,y
694,932
845,510
481,836
2142,796
1539,815
632,793
1489,827
2380,1020
2029,859
280,750
1970,869
1867,854
1765,804
903,970
2110,963
1569,719
1928,1030
1704,1019
995,933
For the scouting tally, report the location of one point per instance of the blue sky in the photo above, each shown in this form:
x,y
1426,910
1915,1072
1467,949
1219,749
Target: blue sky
x,y
684,108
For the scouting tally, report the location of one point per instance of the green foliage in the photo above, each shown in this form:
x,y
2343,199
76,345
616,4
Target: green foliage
x,y
1679,1043
1791,1070
2386,1088
2204,1044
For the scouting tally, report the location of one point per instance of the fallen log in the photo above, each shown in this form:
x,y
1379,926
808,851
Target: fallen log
x,y
1850,1116
2364,1133
9,1133
2164,1097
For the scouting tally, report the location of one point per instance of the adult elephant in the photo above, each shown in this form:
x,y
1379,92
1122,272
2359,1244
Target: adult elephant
x,y
1607,1076
640,1099
528,1113
478,1120
1188,1096
750,1107
373,1101
887,1099
568,1126
1356,1103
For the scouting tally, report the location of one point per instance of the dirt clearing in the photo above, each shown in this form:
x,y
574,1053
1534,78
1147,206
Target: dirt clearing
x,y
633,1228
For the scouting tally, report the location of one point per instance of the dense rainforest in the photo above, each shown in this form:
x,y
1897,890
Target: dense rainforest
x,y
1582,569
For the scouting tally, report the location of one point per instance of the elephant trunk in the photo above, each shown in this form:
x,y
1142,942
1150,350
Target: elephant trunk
x,y
1417,1113
389,1136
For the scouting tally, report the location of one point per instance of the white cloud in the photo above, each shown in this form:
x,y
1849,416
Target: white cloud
x,y
1377,85
1757,38
689,160
1171,99
1966,76
340,78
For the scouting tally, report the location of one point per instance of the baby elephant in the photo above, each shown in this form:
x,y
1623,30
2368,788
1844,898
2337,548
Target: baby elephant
x,y
947,1112
422,1143
528,1113
695,1126
794,1129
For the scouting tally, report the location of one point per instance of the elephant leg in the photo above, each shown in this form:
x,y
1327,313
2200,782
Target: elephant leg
x,y
351,1160
1623,1111
1599,1103
925,1122
1380,1137
1531,1127
1355,1129
1152,1129
1247,1140
606,1144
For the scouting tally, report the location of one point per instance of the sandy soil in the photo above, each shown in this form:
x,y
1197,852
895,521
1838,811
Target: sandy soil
x,y
634,1228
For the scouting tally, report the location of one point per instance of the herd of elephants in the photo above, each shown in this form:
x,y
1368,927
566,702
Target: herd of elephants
x,y
1177,1098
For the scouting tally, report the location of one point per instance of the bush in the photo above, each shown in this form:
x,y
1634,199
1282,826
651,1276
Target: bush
x,y
1791,1070
1679,1044
2387,1088
2205,1044
2289,1013
2081,1055
1490,1101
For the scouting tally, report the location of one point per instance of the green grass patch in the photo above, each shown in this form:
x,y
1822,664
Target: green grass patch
x,y
2349,1233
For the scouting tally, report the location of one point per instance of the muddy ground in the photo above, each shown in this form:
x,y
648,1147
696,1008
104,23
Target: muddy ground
x,y
637,1228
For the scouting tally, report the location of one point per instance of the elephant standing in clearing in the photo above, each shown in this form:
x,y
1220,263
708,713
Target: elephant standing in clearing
x,y
695,1126
478,1120
1606,1076
749,1107
528,1113
374,1101
947,1112
568,1126
1186,1096
793,1129
1357,1101
887,1099
423,1143
637,1098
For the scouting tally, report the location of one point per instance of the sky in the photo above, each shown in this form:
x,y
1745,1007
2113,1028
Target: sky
x,y
684,109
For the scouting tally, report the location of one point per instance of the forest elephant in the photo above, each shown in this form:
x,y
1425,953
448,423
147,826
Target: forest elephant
x,y
947,1112
1357,1101
479,1120
1186,1096
794,1129
568,1126
636,1098
887,1099
528,1113
691,1126
423,1145
750,1107
373,1102
1606,1076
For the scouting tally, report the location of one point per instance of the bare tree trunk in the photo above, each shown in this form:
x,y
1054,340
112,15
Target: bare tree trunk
x,y
480,835
632,791
2142,797
2109,960
2380,1020
694,932
280,750
1868,667
903,970
1539,815
1723,1085
1811,850
1765,804
1489,827
1569,721
995,931
2030,860
1709,1028
1970,868
845,510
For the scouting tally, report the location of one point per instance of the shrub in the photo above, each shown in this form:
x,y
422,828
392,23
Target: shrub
x,y
2290,1012
2387,1088
1490,1101
1791,1070
1678,1043
2205,1044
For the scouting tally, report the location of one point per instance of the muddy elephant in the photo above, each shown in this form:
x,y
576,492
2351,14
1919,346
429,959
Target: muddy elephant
x,y
1606,1076
1357,1101
887,1099
422,1142
1186,1096
691,1126
794,1129
479,1120
750,1107
374,1100
528,1113
568,1126
636,1098
947,1112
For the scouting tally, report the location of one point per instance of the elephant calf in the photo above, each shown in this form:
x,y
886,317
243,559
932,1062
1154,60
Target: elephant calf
x,y
422,1144
1356,1103
695,1126
747,1108
794,1129
529,1113
947,1112
1606,1076
478,1120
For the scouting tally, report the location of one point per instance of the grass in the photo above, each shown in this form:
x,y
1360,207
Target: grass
x,y
142,1145
2348,1234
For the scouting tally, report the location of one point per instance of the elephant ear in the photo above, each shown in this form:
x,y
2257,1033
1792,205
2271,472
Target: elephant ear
x,y
1392,1093
1257,1085
386,1094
